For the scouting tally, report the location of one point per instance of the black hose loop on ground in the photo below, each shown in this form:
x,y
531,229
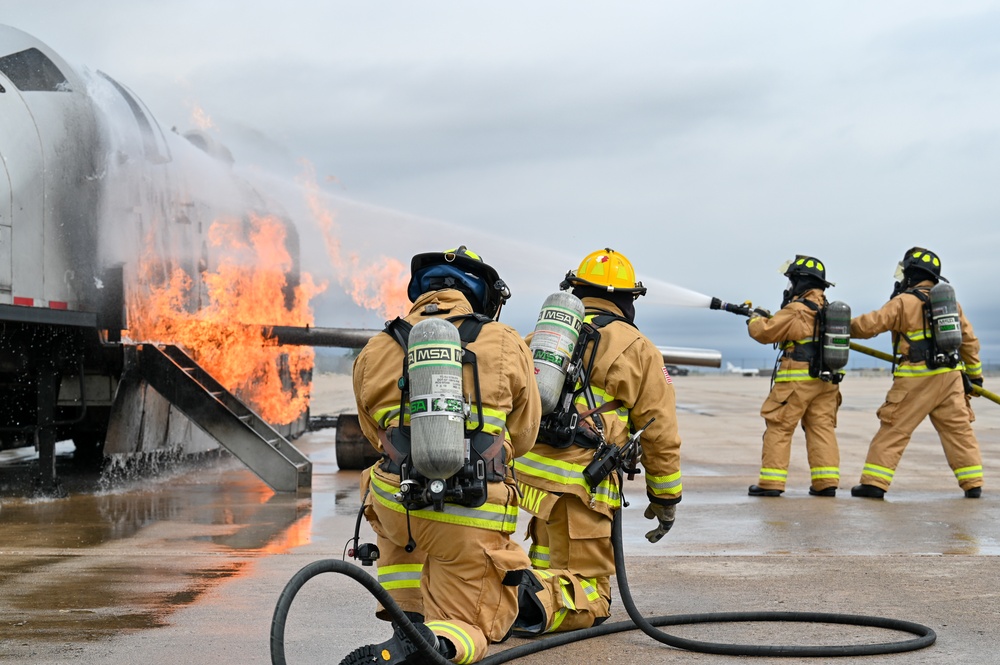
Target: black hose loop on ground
x,y
925,636
362,577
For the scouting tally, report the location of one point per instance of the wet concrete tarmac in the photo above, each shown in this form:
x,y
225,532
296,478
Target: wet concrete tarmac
x,y
188,567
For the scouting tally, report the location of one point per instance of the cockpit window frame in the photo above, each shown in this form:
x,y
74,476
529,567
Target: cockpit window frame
x,y
31,70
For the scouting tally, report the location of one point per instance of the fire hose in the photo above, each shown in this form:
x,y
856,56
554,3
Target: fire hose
x,y
874,353
746,309
925,636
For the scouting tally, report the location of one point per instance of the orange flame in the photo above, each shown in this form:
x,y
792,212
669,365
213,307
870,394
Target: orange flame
x,y
200,118
248,287
378,285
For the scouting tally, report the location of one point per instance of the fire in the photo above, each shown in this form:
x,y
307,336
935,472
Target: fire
x,y
200,118
378,285
248,286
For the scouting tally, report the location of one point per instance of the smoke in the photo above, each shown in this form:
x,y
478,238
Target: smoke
x,y
163,188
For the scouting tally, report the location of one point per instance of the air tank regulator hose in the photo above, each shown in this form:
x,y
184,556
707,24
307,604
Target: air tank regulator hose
x,y
925,635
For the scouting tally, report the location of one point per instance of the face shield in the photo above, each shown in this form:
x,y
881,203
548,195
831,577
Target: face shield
x,y
898,275
785,266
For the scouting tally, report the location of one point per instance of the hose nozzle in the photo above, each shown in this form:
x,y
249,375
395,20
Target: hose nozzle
x,y
743,310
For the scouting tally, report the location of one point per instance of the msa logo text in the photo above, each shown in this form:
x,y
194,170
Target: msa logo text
x,y
560,316
434,354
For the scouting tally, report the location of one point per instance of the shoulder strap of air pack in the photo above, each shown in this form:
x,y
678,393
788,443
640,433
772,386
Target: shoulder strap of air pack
x,y
924,348
469,326
605,317
808,351
565,426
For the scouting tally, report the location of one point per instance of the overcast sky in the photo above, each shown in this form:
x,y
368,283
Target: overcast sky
x,y
707,141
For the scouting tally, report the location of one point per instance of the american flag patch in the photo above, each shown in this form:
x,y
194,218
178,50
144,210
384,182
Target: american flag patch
x,y
667,374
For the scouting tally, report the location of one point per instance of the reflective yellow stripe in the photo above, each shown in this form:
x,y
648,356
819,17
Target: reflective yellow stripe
x,y
539,556
557,620
780,475
790,343
566,595
967,472
456,636
590,588
974,369
825,472
487,516
566,473
786,375
659,485
560,614
402,576
600,399
912,371
386,417
878,472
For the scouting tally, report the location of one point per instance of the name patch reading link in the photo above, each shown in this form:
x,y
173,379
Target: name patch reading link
x,y
434,354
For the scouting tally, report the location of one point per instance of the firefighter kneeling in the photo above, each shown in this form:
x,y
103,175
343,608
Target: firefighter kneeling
x,y
612,382
442,501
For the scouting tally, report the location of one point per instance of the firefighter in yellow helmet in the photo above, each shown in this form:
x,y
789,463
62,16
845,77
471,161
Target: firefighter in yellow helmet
x,y
800,392
925,383
451,566
570,529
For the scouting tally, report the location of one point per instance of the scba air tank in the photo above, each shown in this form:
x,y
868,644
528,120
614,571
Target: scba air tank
x,y
837,335
437,411
946,326
552,344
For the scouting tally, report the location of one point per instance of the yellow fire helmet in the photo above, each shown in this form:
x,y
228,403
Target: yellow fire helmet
x,y
605,269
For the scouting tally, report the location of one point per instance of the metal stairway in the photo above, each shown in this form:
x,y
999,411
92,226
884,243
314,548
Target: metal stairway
x,y
186,385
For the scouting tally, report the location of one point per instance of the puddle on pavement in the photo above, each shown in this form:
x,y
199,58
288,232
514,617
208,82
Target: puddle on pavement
x,y
100,562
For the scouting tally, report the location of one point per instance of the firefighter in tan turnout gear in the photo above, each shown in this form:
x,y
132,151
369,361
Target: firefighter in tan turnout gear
x,y
445,550
936,352
570,529
801,392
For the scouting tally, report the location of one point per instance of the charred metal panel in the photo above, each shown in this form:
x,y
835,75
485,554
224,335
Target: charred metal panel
x,y
125,423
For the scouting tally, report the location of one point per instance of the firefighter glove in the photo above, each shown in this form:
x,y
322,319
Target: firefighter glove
x,y
760,311
968,382
665,515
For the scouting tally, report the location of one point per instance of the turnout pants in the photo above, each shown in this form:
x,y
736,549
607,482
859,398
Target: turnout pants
x,y
911,399
814,403
456,577
572,559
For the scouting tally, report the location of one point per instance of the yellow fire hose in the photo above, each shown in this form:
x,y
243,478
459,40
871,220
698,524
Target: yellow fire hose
x,y
993,397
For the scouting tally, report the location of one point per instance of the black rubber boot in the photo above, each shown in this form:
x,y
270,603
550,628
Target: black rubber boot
x,y
973,492
760,491
397,650
826,491
868,491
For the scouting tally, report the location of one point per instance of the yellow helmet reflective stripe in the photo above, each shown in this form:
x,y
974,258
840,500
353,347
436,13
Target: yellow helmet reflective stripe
x,y
607,268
